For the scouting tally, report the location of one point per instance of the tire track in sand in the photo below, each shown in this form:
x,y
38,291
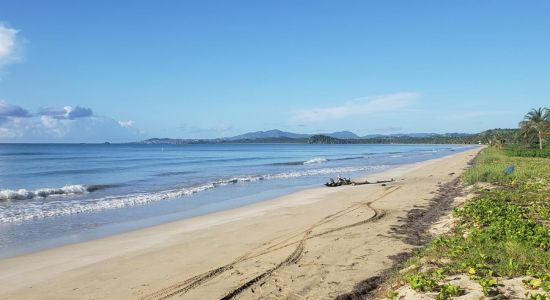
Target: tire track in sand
x,y
293,258
185,286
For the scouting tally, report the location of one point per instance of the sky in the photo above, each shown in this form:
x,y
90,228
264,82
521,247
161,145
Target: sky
x,y
94,71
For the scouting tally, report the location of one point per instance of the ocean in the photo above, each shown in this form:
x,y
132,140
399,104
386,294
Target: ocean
x,y
55,194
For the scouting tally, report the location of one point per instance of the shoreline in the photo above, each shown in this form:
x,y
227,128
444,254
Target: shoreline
x,y
91,262
218,217
115,228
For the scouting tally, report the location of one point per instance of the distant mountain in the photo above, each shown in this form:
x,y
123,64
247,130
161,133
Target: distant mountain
x,y
485,137
276,133
347,137
342,135
171,141
417,135
270,134
275,140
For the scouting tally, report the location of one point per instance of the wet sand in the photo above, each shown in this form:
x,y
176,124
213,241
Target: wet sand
x,y
314,244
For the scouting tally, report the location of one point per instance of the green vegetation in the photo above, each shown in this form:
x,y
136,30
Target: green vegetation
x,y
323,139
429,283
502,232
536,123
525,151
448,290
536,296
491,137
488,285
392,295
485,137
423,282
533,131
489,168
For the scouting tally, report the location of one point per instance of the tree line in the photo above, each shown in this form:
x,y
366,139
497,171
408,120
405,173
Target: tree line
x,y
533,131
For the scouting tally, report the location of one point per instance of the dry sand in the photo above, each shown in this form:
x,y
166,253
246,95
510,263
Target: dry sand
x,y
313,244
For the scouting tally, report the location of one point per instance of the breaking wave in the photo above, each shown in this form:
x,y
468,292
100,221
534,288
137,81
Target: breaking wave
x,y
316,160
27,210
23,194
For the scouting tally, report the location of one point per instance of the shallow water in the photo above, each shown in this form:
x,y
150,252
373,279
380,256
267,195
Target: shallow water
x,y
54,194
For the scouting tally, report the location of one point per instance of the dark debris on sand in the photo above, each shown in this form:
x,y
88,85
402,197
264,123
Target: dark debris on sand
x,y
413,230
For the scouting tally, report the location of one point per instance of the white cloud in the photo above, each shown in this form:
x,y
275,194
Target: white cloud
x,y
67,124
357,107
8,44
48,122
126,124
67,112
8,110
52,127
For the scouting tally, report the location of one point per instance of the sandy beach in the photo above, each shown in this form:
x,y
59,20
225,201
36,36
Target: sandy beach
x,y
314,244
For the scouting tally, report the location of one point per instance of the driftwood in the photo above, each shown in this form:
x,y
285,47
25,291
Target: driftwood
x,y
339,182
368,182
347,181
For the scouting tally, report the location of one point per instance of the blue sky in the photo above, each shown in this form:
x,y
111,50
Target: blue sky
x,y
123,70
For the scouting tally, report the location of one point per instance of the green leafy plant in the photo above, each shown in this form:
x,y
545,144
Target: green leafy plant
x,y
438,274
488,285
502,231
392,295
422,283
536,296
532,283
447,291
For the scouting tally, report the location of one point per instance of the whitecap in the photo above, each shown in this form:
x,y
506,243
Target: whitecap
x,y
28,210
23,194
316,160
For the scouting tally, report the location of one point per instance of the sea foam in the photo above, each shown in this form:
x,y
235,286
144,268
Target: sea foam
x,y
316,160
23,194
28,210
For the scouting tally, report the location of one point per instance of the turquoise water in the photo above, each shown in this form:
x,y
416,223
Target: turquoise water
x,y
54,194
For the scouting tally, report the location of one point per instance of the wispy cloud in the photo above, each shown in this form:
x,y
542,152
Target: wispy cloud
x,y
217,130
9,44
475,114
357,107
389,129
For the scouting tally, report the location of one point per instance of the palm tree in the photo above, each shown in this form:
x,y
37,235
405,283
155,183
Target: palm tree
x,y
537,120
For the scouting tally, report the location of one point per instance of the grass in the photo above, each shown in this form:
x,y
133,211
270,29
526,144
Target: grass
x,y
523,151
502,232
490,164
